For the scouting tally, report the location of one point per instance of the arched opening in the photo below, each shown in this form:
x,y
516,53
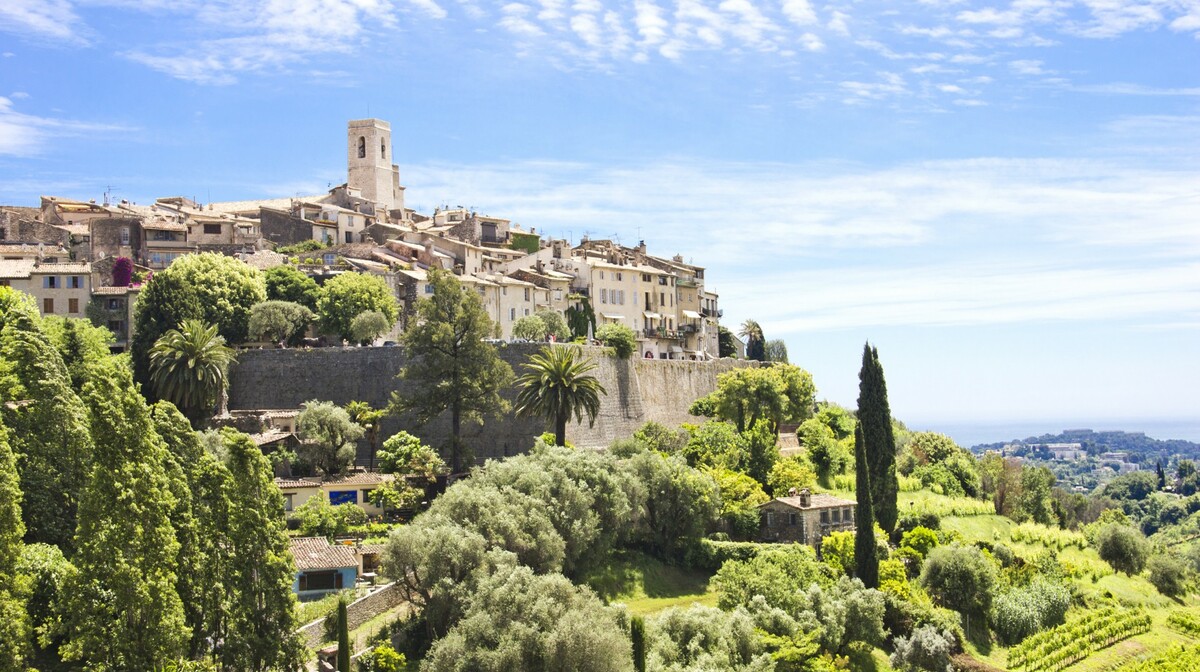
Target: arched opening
x,y
382,148
362,147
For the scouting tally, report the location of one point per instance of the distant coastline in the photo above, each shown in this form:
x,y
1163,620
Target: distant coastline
x,y
970,434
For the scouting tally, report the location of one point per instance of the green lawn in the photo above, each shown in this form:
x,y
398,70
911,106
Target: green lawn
x,y
646,585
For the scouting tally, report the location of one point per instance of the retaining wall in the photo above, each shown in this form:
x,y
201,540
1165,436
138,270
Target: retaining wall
x,y
639,390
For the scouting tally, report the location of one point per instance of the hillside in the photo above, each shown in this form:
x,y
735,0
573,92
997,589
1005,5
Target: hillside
x,y
1141,449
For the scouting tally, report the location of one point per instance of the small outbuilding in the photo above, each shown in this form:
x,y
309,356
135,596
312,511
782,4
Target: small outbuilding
x,y
805,517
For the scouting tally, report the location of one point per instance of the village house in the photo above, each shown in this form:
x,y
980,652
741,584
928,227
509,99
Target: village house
x,y
112,307
804,517
352,488
323,568
58,289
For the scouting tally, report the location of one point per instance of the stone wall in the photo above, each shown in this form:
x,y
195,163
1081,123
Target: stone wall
x,y
357,612
639,390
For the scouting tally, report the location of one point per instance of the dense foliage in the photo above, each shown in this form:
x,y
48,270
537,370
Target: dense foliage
x,y
348,295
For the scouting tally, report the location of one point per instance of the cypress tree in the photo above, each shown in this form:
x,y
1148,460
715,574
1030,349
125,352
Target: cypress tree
x,y
637,633
875,420
14,622
343,629
125,613
865,559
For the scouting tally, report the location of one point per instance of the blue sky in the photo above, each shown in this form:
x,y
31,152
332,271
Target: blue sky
x,y
1003,196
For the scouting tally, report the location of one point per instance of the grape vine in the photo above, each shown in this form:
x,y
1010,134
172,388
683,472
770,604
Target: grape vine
x,y
1075,640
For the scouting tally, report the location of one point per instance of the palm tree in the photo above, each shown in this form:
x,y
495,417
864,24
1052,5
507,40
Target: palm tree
x,y
188,368
755,346
556,386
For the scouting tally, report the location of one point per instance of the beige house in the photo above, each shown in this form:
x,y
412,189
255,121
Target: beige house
x,y
112,307
805,517
59,289
350,489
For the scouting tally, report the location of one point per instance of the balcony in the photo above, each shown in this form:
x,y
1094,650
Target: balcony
x,y
666,334
689,328
712,312
492,239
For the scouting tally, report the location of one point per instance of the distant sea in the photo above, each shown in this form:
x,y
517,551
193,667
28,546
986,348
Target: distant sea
x,y
975,433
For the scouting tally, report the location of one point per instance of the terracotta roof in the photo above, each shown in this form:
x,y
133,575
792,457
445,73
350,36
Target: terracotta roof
x,y
112,291
269,437
63,268
165,226
294,483
817,501
15,268
318,553
360,478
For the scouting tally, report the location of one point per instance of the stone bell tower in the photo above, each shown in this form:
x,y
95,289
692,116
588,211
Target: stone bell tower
x,y
371,170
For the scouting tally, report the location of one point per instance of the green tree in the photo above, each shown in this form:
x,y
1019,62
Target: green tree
x,y
404,454
343,637
755,345
125,611
431,561
681,503
875,421
163,303
780,393
763,451
189,367
1122,547
960,578
1168,574
838,551
637,634
14,621
287,283
790,472
740,497
619,337
49,573
280,321
450,366
725,346
556,385
47,422
327,436
530,328
261,632
370,419
1036,500
78,342
347,295
368,326
775,350
867,564
580,317
383,658
556,325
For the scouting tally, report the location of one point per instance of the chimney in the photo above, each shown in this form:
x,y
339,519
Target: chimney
x,y
805,498
791,492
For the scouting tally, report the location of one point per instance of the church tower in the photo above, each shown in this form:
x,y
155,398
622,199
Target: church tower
x,y
372,172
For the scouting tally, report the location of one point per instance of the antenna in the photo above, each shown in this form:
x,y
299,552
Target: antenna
x,y
107,194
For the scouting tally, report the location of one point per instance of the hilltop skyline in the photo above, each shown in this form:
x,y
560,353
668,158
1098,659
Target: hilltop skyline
x,y
1002,197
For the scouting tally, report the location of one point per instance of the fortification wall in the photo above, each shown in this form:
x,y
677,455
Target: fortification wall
x,y
638,391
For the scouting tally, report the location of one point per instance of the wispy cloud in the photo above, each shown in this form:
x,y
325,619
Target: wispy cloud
x,y
51,20
26,134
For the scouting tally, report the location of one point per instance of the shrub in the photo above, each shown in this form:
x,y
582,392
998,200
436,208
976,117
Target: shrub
x,y
530,328
927,649
1168,575
368,326
920,539
1020,612
959,577
618,337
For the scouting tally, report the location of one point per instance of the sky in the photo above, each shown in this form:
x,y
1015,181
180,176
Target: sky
x,y
1002,197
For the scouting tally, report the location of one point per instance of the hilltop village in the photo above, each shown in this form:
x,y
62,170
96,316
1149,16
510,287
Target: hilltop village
x,y
63,252
333,433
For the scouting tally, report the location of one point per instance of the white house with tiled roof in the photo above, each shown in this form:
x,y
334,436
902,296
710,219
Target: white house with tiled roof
x,y
354,488
59,289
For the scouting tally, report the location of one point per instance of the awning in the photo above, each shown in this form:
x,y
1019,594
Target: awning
x,y
676,348
691,314
613,317
652,316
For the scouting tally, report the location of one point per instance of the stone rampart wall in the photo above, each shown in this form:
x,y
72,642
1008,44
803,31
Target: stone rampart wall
x,y
639,390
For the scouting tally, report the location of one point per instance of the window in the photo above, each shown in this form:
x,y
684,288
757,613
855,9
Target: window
x,y
846,514
645,277
620,276
382,149
124,236
770,519
526,293
50,282
429,289
349,237
47,306
212,229
793,519
558,295
329,257
343,497
824,517
603,296
73,306
526,312
836,516
116,326
75,282
362,147
287,502
323,580
512,314
601,275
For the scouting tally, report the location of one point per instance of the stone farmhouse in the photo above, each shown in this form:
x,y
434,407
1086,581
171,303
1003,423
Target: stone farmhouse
x,y
366,228
804,517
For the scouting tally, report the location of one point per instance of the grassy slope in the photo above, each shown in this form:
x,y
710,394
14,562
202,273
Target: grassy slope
x,y
646,585
1096,583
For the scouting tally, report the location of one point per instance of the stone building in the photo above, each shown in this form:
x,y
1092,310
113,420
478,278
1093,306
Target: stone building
x,y
805,517
58,289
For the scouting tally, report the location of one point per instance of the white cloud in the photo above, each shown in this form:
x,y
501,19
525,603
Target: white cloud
x,y
651,26
839,23
515,22
46,19
27,135
799,12
1027,67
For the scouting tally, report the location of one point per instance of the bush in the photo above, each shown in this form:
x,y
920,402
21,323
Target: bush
x,y
530,328
927,649
383,658
321,519
368,326
618,337
1168,575
920,539
960,578
1124,548
1020,612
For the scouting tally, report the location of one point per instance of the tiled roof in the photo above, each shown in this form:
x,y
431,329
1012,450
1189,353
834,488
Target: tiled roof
x,y
360,478
63,268
294,483
268,437
15,268
817,501
318,553
111,291
162,225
